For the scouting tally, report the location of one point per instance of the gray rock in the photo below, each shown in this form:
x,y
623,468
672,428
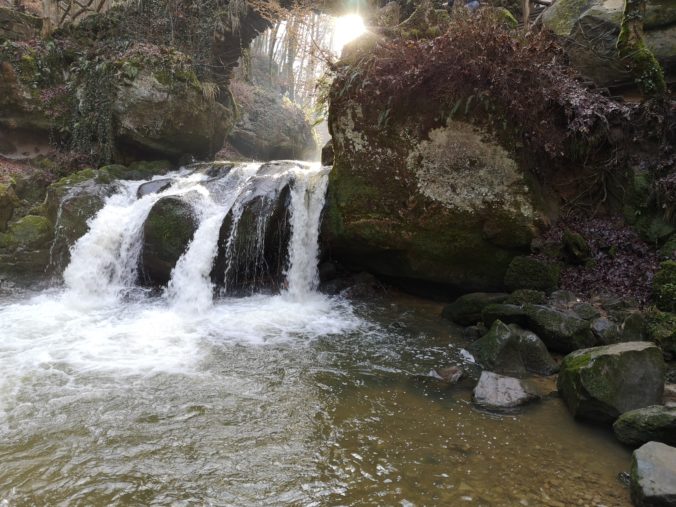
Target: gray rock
x,y
498,392
153,187
655,423
512,350
466,310
606,331
601,383
653,475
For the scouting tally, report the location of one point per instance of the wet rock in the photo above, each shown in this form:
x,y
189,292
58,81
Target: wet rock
x,y
498,392
531,273
653,475
512,350
169,228
327,154
253,243
601,383
28,233
561,331
153,187
473,333
655,423
441,378
466,310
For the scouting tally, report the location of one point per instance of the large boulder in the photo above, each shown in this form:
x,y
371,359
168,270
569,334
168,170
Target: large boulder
x,y
512,350
447,206
498,392
270,127
169,228
8,201
253,240
653,475
561,330
592,27
655,423
164,110
664,287
601,383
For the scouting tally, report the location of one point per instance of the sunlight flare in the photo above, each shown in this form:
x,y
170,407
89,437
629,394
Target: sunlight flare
x,y
346,29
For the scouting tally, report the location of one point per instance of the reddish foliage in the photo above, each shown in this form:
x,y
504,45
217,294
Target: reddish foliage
x,y
622,263
517,84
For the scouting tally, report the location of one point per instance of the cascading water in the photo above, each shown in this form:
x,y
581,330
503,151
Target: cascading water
x,y
115,394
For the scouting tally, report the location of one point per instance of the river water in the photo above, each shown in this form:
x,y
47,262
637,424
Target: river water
x,y
113,395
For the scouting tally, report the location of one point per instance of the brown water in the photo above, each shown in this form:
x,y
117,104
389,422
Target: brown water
x,y
136,405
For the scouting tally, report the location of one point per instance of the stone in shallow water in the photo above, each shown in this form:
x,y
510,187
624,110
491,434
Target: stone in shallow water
x,y
601,383
499,392
466,310
655,423
653,475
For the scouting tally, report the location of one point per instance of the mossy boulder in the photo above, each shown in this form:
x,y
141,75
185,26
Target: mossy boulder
x,y
523,296
661,329
167,232
28,233
163,110
531,273
664,287
600,383
560,330
653,475
576,250
655,423
8,202
512,350
444,206
592,27
466,310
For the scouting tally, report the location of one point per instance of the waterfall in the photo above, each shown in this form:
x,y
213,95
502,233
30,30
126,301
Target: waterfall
x,y
257,228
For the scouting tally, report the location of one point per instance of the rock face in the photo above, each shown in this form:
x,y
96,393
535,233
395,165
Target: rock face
x,y
444,206
497,392
592,28
168,230
601,383
653,476
512,350
270,128
656,423
164,112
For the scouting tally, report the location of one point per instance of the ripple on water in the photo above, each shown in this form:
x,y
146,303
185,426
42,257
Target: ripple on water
x,y
268,401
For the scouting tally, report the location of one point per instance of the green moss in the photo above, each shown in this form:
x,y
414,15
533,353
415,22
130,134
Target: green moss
x,y
527,296
661,329
530,273
75,178
647,71
664,287
30,231
560,18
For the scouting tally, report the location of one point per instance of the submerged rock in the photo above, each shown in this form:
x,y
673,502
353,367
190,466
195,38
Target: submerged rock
x,y
498,392
653,475
601,383
655,423
512,350
466,310
153,187
169,228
